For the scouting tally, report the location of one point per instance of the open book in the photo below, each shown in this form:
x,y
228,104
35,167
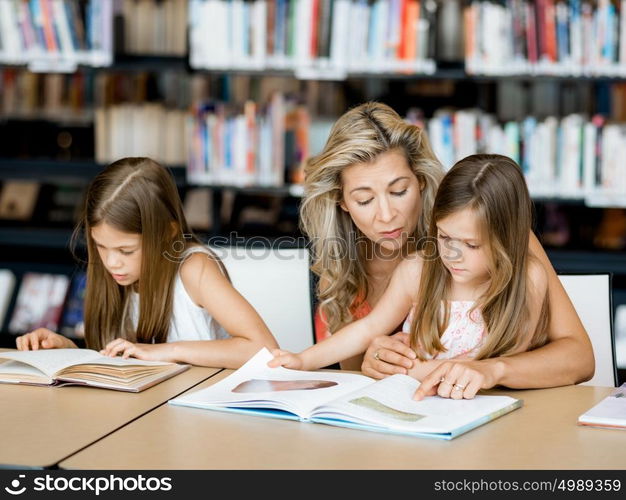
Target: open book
x,y
608,413
345,400
83,367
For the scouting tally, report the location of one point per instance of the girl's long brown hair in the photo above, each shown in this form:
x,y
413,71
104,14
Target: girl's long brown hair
x,y
133,195
361,135
494,187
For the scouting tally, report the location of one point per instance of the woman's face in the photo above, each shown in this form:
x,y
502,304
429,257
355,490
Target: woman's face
x,y
383,199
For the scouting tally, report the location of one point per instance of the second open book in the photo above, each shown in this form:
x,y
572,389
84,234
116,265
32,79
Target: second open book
x,y
345,400
83,367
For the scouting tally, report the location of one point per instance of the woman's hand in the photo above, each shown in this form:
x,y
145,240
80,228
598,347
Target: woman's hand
x,y
458,379
286,359
42,338
387,355
148,352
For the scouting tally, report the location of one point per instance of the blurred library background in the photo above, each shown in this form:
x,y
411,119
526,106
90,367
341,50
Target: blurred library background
x,y
234,95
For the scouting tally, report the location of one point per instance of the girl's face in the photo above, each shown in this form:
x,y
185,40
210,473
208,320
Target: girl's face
x,y
462,248
383,198
120,253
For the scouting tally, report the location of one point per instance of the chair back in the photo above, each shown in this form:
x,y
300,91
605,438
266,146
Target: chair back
x,y
277,283
591,295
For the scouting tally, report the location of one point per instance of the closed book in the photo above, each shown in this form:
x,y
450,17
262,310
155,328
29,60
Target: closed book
x,y
609,413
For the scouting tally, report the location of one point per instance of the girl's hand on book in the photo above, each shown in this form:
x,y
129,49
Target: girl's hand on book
x,y
127,349
42,338
286,359
388,355
458,379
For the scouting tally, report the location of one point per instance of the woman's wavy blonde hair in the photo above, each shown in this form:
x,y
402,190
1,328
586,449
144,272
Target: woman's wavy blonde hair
x,y
494,187
361,135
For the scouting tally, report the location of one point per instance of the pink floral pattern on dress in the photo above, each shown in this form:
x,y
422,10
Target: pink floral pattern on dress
x,y
465,333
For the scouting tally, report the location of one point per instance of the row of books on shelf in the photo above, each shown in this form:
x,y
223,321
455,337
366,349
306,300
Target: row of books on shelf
x,y
570,157
148,129
48,96
314,38
56,35
73,97
264,145
555,37
155,27
42,300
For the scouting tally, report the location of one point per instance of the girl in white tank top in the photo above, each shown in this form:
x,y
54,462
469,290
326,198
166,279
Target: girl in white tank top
x,y
153,291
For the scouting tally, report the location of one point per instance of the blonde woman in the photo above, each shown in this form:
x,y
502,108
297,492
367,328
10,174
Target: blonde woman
x,y
366,206
378,174
153,291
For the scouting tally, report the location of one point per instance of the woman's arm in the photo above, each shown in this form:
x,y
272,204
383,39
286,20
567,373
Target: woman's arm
x,y
354,338
567,358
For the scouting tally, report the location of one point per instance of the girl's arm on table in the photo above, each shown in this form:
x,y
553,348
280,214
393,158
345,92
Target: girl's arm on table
x,y
210,289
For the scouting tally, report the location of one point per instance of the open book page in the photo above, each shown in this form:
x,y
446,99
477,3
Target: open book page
x,y
51,361
136,380
389,404
16,372
124,374
610,412
255,385
83,366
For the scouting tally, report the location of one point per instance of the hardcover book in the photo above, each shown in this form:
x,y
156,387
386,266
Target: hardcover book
x,y
83,367
345,400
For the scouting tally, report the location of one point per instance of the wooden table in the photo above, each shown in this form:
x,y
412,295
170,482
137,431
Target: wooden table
x,y
43,425
543,434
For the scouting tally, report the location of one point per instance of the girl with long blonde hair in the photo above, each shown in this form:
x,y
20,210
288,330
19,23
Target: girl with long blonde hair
x,y
153,290
474,291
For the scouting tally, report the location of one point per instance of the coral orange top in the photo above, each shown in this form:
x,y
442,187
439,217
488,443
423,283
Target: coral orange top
x,y
321,327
